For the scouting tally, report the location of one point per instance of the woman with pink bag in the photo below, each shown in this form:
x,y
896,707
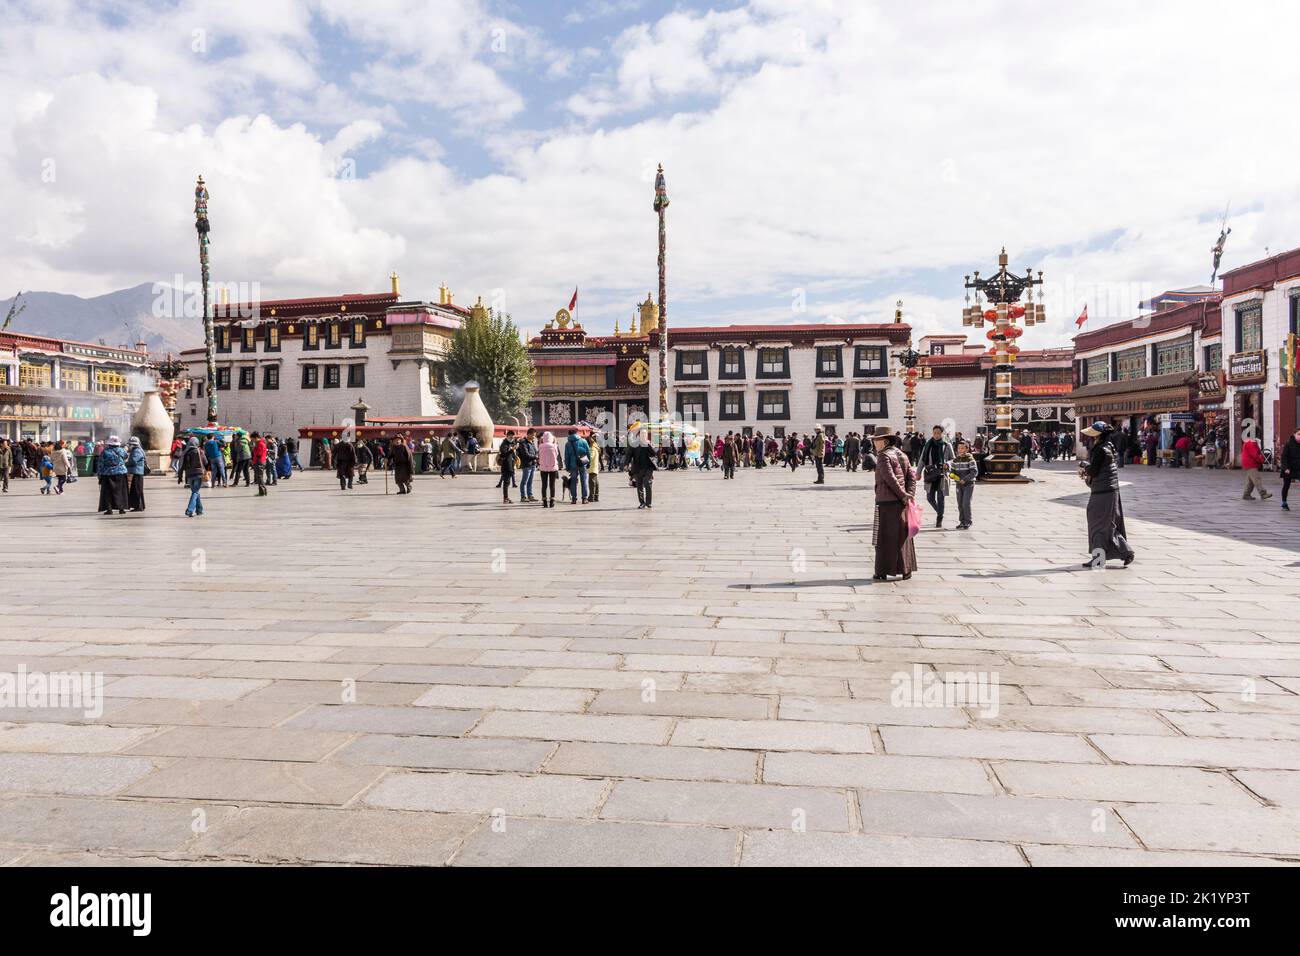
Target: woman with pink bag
x,y
895,495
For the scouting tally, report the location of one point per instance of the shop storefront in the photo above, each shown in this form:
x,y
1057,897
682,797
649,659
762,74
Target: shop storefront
x,y
1247,378
1161,400
37,420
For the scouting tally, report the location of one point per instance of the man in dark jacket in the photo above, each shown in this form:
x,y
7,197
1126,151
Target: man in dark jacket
x,y
852,452
1107,539
1027,447
641,468
730,455
194,464
934,458
1289,465
527,452
345,460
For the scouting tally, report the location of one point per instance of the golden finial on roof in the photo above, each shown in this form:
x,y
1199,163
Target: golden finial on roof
x,y
397,286
649,315
479,310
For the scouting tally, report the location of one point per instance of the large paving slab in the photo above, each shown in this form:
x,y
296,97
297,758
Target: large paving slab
x,y
716,682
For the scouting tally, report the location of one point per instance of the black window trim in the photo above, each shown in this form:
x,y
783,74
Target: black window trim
x,y
783,374
353,341
223,379
251,375
860,372
311,376
783,415
838,371
839,402
702,400
358,369
330,328
332,369
737,375
723,416
860,415
267,384
701,376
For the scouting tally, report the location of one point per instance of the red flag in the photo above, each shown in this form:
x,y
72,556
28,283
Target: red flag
x,y
573,303
1083,316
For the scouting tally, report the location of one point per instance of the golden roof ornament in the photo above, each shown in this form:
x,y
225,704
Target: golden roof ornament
x,y
562,318
649,315
479,310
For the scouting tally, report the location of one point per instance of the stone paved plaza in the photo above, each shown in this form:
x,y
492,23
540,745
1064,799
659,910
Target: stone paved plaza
x,y
432,679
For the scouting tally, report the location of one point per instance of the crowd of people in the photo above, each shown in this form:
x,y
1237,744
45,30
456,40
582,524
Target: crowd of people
x,y
1180,448
52,462
939,464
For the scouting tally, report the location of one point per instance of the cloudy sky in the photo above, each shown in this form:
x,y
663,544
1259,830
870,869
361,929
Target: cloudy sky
x,y
824,158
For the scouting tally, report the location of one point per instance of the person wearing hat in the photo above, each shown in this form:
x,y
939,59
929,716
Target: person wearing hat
x,y
111,469
817,447
135,468
895,487
1106,536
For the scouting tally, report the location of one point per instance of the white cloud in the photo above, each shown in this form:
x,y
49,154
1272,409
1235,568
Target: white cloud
x,y
837,147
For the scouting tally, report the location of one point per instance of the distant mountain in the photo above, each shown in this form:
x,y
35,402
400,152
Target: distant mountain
x,y
116,318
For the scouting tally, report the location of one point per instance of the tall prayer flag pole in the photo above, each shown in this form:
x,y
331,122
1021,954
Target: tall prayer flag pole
x,y
661,204
202,226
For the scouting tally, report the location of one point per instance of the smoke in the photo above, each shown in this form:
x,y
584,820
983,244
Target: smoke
x,y
140,382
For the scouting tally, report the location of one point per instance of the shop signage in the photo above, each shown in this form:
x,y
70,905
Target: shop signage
x,y
1248,366
37,411
1210,384
1250,388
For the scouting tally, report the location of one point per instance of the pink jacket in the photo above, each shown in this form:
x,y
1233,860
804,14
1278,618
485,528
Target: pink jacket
x,y
1251,456
548,456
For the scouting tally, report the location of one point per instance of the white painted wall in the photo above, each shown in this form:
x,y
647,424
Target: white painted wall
x,y
802,387
389,391
960,399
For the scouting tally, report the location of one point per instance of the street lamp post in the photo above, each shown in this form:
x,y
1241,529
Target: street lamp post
x,y
1003,290
909,370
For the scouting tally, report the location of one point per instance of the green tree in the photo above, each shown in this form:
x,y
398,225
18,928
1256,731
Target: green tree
x,y
487,349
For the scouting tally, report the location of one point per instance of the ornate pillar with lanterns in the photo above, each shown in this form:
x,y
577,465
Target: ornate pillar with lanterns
x,y
1003,290
910,371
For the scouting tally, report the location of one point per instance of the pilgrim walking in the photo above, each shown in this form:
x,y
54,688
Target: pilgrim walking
x,y
135,468
1107,540
895,489
399,453
111,469
345,460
